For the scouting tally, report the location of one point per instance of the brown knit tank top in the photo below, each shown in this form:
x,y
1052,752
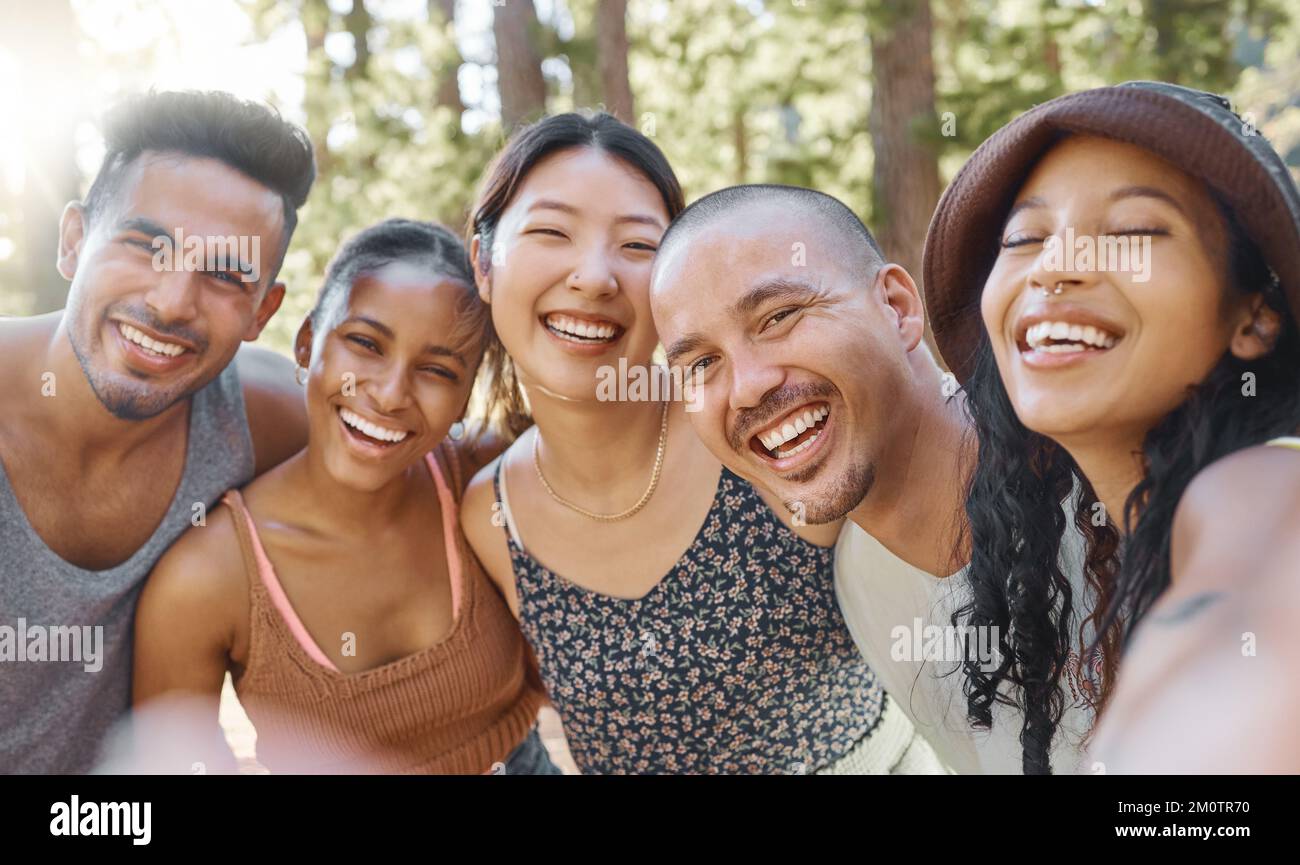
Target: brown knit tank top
x,y
456,707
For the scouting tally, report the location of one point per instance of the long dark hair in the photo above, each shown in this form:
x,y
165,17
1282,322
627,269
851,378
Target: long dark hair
x,y
502,180
1014,507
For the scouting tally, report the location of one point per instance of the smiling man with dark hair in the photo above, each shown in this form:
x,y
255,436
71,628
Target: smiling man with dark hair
x,y
125,417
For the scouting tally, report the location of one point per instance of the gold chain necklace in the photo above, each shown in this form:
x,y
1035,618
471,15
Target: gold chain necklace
x,y
607,518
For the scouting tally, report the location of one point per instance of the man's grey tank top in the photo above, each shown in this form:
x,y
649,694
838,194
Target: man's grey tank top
x,y
55,714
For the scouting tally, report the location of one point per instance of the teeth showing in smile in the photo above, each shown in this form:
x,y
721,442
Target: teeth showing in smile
x,y
780,454
1065,337
152,346
580,331
793,428
375,431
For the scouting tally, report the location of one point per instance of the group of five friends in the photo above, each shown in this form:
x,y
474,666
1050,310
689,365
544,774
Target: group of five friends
x,y
1094,495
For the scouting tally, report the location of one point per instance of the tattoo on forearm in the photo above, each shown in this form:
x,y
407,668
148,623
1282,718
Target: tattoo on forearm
x,y
1187,609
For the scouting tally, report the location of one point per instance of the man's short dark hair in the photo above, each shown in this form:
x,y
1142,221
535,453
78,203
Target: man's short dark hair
x,y
247,136
854,240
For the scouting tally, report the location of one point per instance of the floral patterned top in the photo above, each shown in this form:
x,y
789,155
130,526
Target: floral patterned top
x,y
737,662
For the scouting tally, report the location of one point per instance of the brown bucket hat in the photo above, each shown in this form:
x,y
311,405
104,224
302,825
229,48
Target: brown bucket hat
x,y
1194,130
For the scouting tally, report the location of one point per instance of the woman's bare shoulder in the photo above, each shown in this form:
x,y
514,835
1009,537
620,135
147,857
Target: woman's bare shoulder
x,y
201,575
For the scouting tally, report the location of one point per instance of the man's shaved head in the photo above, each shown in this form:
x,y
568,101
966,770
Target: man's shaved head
x,y
776,303
847,235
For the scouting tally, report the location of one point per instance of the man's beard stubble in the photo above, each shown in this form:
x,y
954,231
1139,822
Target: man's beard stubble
x,y
846,492
116,396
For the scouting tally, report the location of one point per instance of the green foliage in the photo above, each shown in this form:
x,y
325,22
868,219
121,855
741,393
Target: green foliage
x,y
751,93
385,148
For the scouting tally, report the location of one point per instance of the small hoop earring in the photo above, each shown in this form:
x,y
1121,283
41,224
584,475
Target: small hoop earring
x,y
300,375
457,431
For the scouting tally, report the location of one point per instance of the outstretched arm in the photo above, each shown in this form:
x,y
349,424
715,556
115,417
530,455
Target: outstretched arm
x,y
1209,683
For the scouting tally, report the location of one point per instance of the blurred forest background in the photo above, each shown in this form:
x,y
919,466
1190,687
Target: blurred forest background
x,y
875,102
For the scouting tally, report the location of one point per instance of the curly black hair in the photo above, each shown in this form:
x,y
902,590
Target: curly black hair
x,y
1016,520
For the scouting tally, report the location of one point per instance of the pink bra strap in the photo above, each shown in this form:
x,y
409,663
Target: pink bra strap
x,y
266,571
279,599
450,525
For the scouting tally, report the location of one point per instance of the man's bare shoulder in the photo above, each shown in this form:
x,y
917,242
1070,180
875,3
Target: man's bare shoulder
x,y
20,334
46,321
275,403
22,342
264,373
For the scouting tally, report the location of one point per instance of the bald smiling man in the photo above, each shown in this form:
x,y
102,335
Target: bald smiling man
x,y
812,379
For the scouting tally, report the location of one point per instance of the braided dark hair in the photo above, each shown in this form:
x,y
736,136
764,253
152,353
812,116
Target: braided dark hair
x,y
423,244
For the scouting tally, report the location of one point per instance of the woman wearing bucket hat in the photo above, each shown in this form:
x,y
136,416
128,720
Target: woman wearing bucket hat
x,y
1112,277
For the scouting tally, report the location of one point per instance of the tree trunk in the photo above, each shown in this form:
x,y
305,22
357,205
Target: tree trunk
x,y
358,23
449,76
903,125
1162,18
519,69
611,52
316,82
51,84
